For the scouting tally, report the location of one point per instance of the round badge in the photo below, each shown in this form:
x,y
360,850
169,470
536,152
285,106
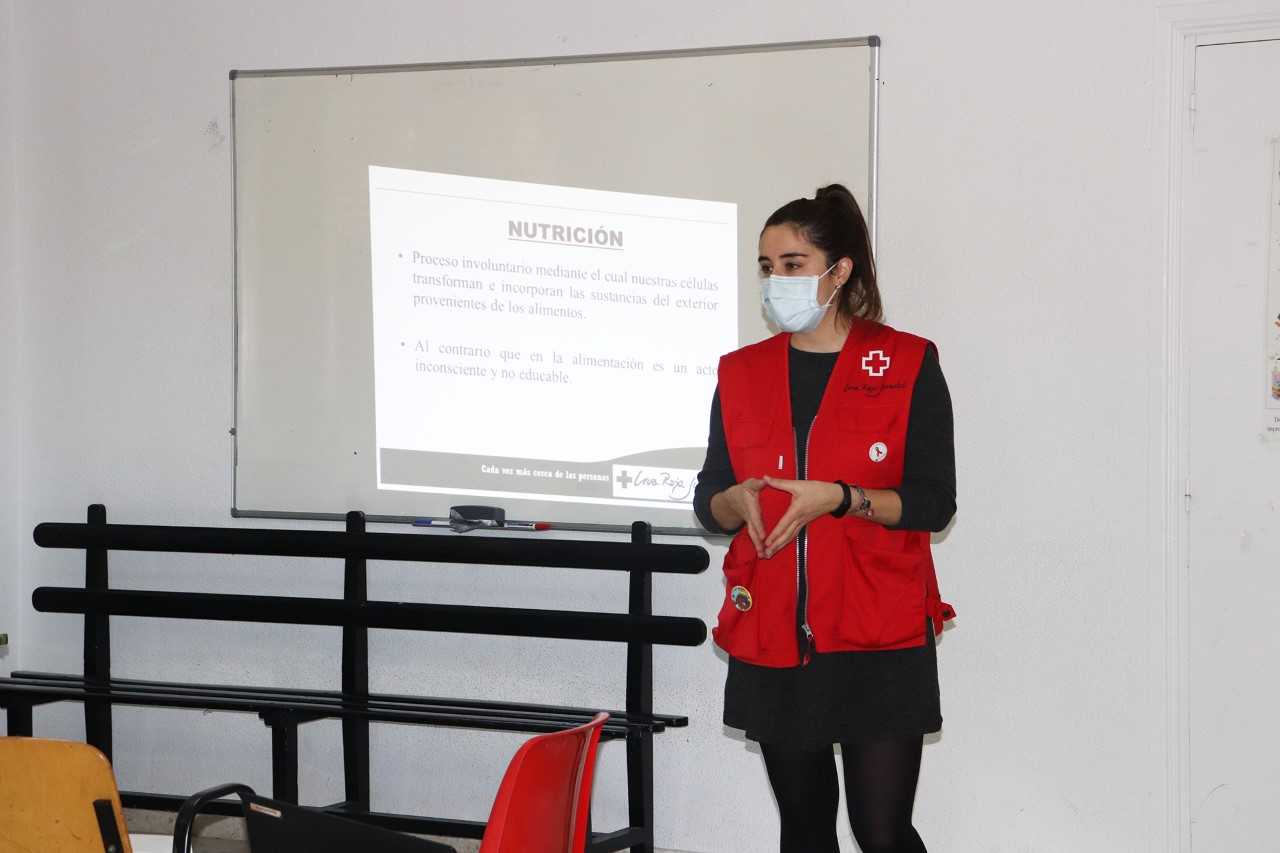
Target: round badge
x,y
878,451
741,598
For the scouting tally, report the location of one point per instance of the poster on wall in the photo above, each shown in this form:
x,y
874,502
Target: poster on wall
x,y
1271,427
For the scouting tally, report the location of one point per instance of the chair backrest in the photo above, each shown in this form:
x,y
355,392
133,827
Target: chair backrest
x,y
58,796
544,800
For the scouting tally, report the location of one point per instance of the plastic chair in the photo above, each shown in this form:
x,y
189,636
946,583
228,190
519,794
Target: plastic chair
x,y
58,797
544,802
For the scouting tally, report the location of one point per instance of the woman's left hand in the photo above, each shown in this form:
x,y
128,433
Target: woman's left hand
x,y
809,499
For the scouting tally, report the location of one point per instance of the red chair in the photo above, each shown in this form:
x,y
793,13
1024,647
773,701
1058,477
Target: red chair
x,y
544,800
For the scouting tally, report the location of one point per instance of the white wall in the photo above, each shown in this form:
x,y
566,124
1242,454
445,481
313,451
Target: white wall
x,y
1019,229
10,330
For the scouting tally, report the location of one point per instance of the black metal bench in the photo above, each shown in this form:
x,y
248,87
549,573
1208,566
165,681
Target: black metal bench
x,y
284,709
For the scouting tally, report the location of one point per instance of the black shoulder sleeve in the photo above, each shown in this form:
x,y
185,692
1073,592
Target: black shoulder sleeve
x,y
928,489
717,471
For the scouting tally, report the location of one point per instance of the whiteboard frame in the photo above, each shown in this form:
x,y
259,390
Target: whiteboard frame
x,y
873,185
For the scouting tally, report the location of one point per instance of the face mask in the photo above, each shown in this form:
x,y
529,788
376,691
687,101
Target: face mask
x,y
791,301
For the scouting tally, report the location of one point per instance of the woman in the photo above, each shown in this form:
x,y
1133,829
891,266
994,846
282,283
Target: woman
x,y
831,458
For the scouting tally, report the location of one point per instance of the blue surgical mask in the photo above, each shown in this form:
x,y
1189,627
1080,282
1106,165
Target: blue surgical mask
x,y
791,301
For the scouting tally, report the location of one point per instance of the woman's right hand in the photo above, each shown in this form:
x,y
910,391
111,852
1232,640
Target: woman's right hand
x,y
740,504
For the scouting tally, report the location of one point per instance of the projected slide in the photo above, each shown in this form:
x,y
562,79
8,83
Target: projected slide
x,y
546,342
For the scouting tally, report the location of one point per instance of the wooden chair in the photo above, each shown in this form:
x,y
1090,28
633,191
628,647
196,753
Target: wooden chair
x,y
544,802
58,797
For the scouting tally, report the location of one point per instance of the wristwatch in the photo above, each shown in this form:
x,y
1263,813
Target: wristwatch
x,y
845,501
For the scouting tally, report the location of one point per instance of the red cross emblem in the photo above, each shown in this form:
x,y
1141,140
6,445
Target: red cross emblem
x,y
875,363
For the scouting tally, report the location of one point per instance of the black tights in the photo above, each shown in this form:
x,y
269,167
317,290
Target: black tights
x,y
880,787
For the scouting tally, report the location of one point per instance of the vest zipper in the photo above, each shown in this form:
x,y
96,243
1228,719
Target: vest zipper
x,y
802,561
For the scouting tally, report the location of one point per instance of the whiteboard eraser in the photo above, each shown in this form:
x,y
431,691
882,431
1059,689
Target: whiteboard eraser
x,y
492,516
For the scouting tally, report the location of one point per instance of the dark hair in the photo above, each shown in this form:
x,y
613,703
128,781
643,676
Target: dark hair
x,y
833,222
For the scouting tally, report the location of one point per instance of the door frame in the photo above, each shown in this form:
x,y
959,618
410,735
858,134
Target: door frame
x,y
1181,29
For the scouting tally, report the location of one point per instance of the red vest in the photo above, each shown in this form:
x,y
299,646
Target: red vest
x,y
869,587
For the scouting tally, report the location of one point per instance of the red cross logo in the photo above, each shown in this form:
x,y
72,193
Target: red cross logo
x,y
875,363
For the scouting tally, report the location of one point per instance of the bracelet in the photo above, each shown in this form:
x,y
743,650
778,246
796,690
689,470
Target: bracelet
x,y
839,511
864,503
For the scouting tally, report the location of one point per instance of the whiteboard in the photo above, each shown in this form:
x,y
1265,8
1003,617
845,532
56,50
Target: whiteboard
x,y
753,126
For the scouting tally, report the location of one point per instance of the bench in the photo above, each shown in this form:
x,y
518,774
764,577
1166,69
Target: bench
x,y
284,709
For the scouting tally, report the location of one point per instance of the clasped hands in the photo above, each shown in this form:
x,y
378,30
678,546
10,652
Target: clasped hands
x,y
809,500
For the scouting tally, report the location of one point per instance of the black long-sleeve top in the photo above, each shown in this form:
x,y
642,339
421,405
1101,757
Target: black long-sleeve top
x,y
928,488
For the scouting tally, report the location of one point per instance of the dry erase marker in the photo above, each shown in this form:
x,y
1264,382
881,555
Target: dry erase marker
x,y
527,525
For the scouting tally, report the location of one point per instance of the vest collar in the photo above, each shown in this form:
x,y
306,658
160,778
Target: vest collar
x,y
861,333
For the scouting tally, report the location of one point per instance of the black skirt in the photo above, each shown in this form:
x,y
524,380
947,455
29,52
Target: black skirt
x,y
839,697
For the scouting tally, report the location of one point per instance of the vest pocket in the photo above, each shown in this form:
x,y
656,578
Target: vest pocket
x,y
884,596
737,631
873,442
748,447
